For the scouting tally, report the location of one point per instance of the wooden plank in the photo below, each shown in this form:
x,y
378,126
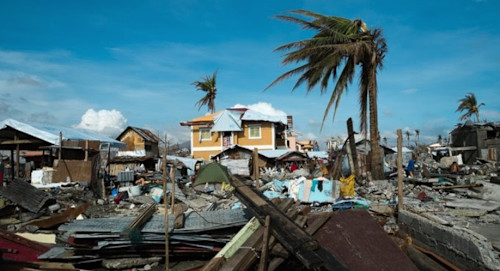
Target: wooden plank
x,y
178,216
265,243
246,256
293,238
21,141
233,246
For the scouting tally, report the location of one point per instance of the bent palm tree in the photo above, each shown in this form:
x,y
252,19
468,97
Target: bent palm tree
x,y
207,85
469,103
339,44
407,133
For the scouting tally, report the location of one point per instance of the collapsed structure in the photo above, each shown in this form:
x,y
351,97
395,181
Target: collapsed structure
x,y
244,201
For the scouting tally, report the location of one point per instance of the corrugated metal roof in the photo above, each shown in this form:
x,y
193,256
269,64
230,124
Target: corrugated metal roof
x,y
146,134
240,114
226,122
50,133
194,222
319,154
274,153
258,116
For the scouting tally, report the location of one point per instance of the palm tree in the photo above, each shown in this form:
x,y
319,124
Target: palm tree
x,y
339,44
440,139
469,103
407,133
207,85
385,141
417,134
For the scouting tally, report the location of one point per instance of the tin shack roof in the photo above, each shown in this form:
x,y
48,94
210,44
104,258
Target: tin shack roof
x,y
50,133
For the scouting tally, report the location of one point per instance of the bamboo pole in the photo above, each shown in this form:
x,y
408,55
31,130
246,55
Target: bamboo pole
x,y
400,170
165,201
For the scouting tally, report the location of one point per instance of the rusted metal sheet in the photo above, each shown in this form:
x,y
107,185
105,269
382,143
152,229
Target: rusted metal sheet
x,y
25,195
20,249
356,239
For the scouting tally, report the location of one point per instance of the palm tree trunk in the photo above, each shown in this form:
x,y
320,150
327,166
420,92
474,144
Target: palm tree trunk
x,y
376,157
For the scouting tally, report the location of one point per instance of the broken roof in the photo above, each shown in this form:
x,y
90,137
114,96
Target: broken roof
x,y
50,133
226,122
231,118
144,133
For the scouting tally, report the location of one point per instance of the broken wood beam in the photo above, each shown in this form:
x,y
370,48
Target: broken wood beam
x,y
132,231
246,256
289,234
265,245
178,216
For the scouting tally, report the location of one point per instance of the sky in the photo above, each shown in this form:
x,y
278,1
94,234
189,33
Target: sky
x,y
105,65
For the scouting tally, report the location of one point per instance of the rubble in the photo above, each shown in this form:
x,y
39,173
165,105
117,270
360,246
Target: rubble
x,y
315,220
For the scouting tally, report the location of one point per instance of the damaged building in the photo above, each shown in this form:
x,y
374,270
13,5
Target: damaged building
x,y
477,140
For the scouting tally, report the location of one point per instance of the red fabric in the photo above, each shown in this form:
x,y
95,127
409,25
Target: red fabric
x,y
293,168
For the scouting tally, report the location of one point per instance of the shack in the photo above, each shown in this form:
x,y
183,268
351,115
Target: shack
x,y
140,139
73,153
477,140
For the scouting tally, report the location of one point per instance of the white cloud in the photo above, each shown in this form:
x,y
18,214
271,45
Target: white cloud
x,y
264,108
105,122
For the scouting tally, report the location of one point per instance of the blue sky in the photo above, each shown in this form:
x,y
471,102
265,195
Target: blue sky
x,y
108,64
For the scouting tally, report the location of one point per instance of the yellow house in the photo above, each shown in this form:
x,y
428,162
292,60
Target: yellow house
x,y
216,132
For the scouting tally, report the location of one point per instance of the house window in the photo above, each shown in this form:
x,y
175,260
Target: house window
x,y
254,132
205,134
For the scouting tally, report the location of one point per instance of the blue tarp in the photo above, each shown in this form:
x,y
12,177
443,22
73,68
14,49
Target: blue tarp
x,y
315,191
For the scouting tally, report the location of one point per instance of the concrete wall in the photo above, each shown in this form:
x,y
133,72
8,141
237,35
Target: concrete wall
x,y
464,248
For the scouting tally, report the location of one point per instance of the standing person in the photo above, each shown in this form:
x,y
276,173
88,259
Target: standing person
x,y
410,169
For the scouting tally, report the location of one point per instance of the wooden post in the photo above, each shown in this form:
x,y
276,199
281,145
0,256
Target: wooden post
x,y
256,167
86,150
172,190
265,245
165,201
60,147
12,165
349,158
400,170
352,145
16,138
109,159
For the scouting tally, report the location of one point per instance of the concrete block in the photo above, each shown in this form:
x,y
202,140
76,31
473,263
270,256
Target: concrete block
x,y
466,249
